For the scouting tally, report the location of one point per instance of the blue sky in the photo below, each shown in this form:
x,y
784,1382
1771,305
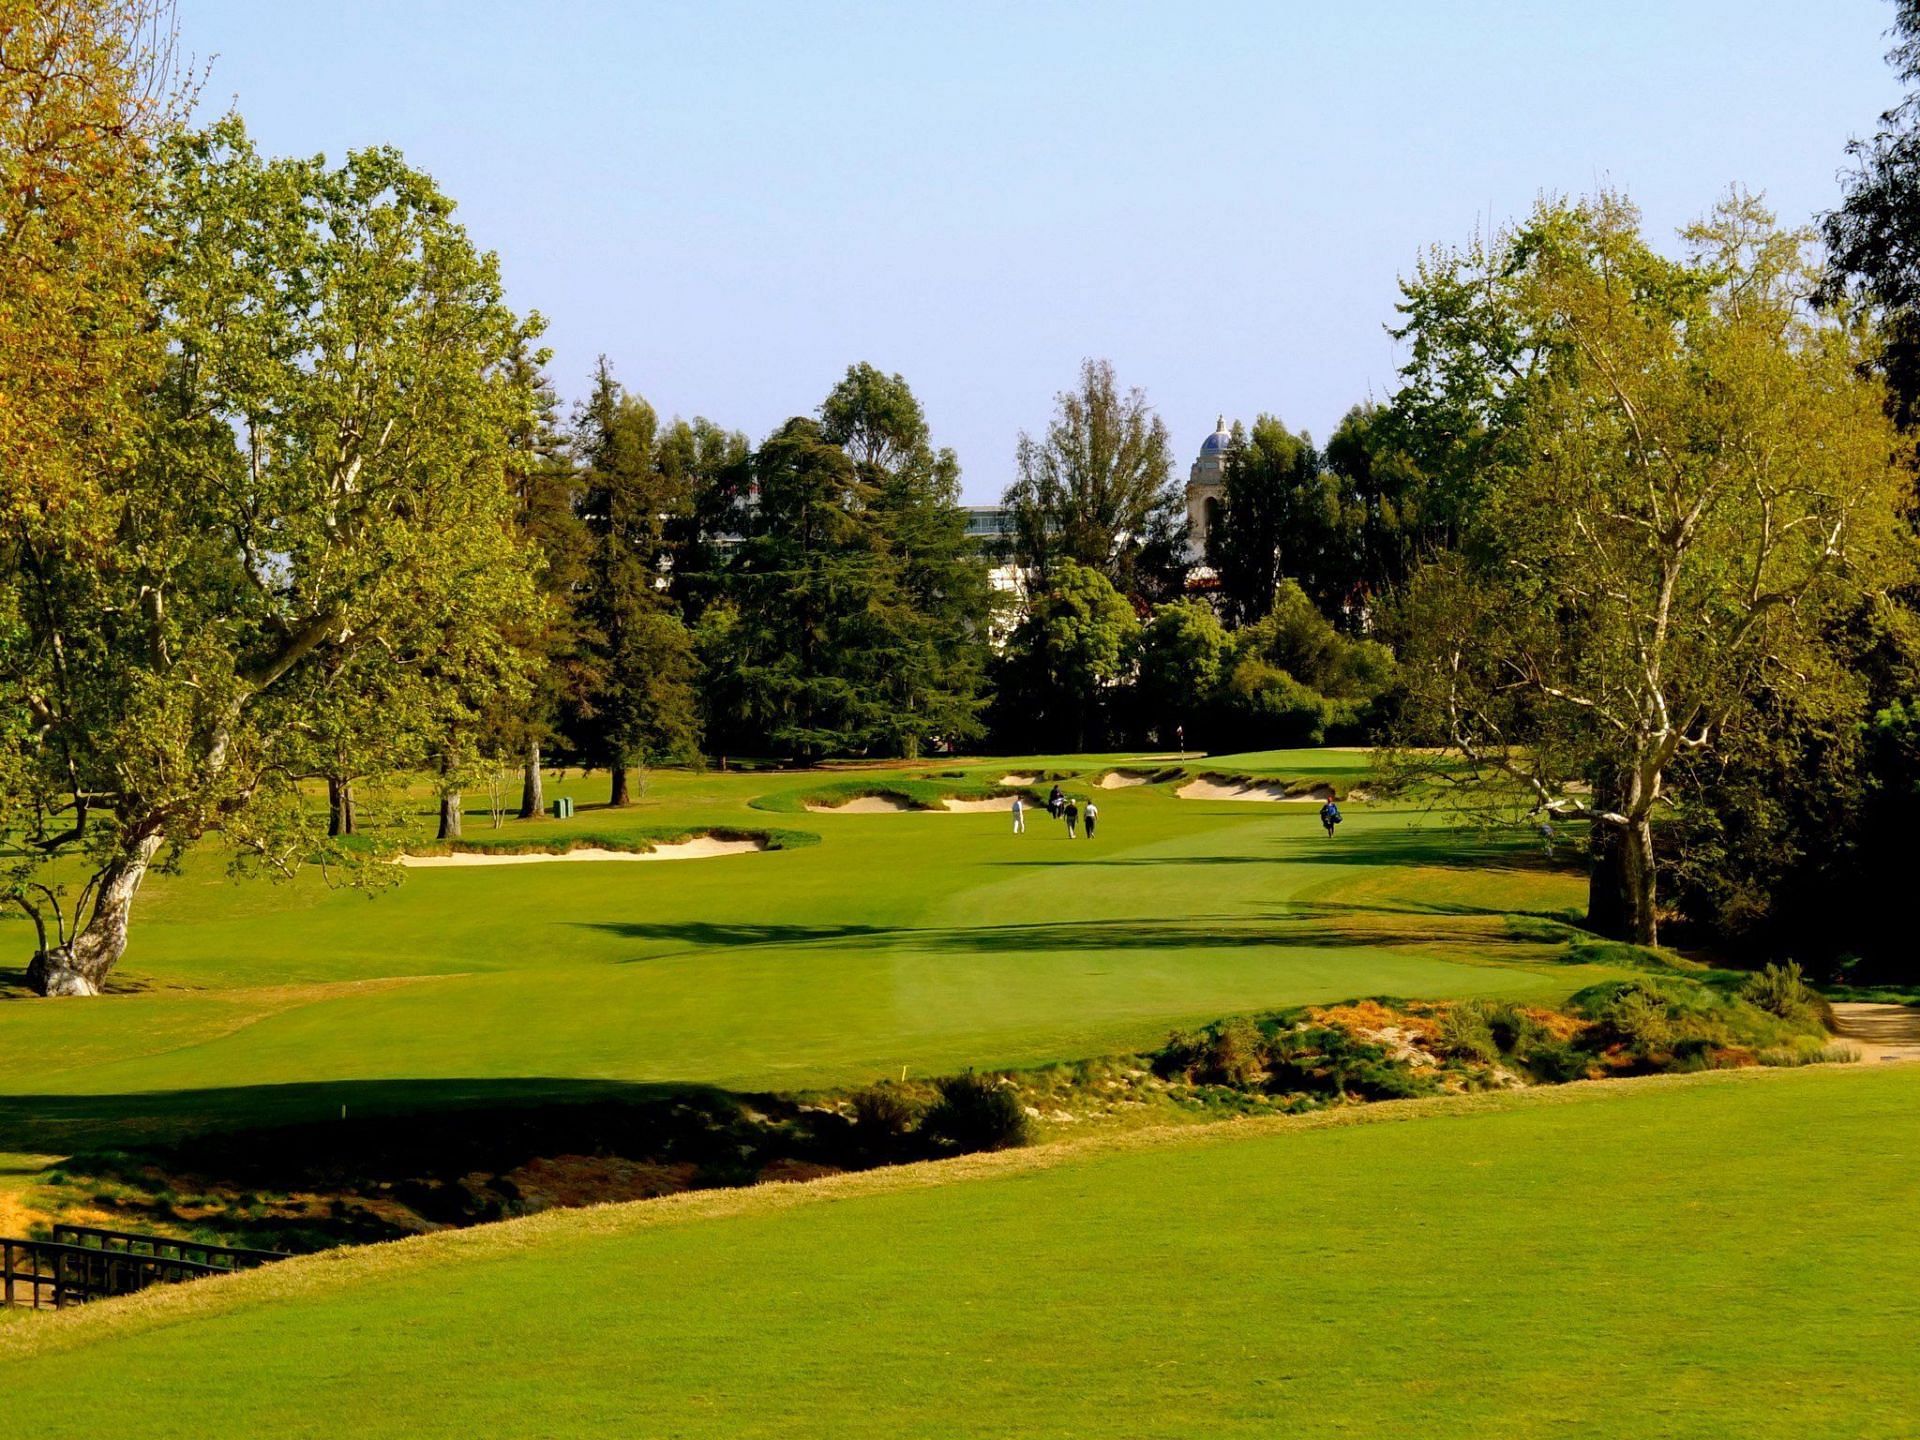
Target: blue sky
x,y
736,200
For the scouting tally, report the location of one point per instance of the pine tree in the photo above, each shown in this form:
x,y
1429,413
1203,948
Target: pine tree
x,y
638,707
812,595
936,632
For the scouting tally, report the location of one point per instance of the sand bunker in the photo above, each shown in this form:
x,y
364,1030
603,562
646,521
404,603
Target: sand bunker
x,y
1121,779
865,805
975,807
1215,788
1019,779
705,847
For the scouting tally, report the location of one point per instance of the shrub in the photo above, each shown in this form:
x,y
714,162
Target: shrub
x,y
974,1112
1638,1020
1464,1035
1512,1028
1227,1052
1233,1055
885,1112
1780,990
1555,1061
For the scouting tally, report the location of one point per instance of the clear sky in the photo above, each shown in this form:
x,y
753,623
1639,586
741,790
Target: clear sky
x,y
735,200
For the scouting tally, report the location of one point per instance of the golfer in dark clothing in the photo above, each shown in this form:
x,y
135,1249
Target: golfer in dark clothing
x,y
1054,802
1329,817
1073,818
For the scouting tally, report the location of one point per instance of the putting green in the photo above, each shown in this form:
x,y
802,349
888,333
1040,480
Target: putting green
x,y
928,941
1718,1255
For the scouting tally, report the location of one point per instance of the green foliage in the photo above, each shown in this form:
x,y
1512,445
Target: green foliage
x,y
975,1112
638,704
1097,489
1291,513
1569,405
1293,679
1465,1034
1182,650
933,675
1075,644
886,1114
1781,990
1871,240
1656,1022
315,520
852,618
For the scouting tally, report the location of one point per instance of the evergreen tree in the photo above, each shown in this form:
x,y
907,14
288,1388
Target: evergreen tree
x,y
812,597
1873,239
638,706
937,629
712,467
545,495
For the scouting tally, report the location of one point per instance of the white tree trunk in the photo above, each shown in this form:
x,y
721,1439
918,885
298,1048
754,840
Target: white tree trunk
x,y
80,966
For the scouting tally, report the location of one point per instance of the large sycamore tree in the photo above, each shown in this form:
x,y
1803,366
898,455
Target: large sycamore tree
x,y
1685,484
308,507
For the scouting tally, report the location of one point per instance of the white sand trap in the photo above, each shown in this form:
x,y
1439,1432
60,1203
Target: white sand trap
x,y
977,807
1122,779
704,847
1019,779
1207,788
865,805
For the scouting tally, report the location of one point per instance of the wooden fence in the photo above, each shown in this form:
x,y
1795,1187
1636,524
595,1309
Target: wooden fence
x,y
82,1263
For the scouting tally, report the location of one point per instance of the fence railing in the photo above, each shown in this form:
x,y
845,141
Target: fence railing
x,y
83,1263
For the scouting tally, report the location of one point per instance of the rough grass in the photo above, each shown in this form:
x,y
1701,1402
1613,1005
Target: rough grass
x,y
1595,1260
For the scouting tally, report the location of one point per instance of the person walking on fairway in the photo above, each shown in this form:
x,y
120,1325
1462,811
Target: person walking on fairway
x,y
1093,814
1329,816
1019,816
1054,802
1073,817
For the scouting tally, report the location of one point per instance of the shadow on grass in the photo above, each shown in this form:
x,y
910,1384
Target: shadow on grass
x,y
1428,849
1304,926
60,1124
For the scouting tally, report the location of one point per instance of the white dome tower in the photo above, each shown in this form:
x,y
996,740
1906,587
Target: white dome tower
x,y
1207,489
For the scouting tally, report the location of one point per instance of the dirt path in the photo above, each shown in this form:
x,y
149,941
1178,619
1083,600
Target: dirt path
x,y
1883,1032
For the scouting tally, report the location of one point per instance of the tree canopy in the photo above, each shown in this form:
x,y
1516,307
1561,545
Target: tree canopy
x,y
1684,480
1097,487
306,501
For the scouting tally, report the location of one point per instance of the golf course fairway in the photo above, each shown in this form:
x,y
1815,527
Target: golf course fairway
x,y
915,940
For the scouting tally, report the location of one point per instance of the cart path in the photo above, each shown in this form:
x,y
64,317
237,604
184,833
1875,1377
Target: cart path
x,y
1883,1032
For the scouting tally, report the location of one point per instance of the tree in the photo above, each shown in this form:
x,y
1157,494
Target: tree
x,y
812,604
1182,650
545,488
1698,484
1873,239
1283,514
1292,678
713,467
315,487
1076,644
639,707
1097,486
87,90
937,633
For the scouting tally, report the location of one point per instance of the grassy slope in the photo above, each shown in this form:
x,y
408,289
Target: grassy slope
x,y
931,941
1719,1255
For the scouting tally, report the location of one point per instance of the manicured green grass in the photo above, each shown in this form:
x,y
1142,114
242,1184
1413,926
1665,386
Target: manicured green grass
x,y
928,941
1714,1256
